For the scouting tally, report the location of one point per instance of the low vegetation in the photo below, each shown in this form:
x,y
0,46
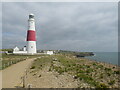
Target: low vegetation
x,y
77,54
8,60
95,74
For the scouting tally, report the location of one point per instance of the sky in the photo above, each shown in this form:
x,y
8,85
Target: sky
x,y
76,26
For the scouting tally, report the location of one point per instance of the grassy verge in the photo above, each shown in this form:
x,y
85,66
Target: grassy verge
x,y
8,60
93,73
41,62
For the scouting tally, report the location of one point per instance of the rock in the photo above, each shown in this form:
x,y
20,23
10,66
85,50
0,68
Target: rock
x,y
75,77
39,75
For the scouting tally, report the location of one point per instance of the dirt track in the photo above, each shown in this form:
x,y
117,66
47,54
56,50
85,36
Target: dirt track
x,y
48,79
11,76
0,80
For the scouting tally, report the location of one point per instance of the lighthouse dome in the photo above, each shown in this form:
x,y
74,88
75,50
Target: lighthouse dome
x,y
31,15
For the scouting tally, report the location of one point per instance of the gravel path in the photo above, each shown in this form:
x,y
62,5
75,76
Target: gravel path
x,y
11,76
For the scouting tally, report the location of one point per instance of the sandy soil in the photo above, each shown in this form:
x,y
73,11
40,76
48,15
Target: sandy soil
x,y
45,78
11,76
0,80
49,79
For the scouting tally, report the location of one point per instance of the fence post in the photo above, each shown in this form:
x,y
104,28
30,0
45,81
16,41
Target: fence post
x,y
4,65
23,81
29,86
11,62
8,63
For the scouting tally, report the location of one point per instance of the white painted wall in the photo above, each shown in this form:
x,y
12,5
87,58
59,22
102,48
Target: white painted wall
x,y
31,24
50,52
31,47
19,52
24,49
16,49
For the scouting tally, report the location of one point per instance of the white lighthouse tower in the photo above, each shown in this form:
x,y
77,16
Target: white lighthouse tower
x,y
31,35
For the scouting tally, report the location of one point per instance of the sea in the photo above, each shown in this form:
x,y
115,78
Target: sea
x,y
108,57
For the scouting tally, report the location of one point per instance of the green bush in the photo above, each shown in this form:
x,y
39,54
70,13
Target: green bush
x,y
108,74
85,77
111,82
116,72
94,64
113,67
60,71
89,70
73,64
65,69
81,71
87,66
88,79
101,75
33,67
102,85
100,66
108,69
50,69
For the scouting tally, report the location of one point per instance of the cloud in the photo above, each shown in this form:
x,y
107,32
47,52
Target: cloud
x,y
70,26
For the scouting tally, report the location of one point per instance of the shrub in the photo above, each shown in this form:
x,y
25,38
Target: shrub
x,y
87,66
60,71
113,67
102,85
74,64
107,69
65,69
88,79
89,70
50,69
100,66
108,74
85,77
81,71
116,72
33,67
94,64
69,65
101,75
111,82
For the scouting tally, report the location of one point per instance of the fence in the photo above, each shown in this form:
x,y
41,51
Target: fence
x,y
23,83
9,63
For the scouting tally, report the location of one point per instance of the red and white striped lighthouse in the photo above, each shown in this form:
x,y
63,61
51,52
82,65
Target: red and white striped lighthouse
x,y
31,35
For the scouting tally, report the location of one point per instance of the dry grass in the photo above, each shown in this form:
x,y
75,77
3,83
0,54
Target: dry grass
x,y
95,74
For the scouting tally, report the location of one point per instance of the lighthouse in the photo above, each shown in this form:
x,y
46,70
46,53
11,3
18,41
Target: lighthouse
x,y
31,35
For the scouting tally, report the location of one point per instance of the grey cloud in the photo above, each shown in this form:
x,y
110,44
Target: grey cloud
x,y
69,26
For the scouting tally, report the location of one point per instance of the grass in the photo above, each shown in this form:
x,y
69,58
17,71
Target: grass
x,y
41,62
8,60
82,69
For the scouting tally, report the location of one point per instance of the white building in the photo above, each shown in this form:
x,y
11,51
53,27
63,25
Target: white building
x,y
50,52
16,50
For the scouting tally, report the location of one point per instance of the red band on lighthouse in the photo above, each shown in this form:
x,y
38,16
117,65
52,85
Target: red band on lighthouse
x,y
31,35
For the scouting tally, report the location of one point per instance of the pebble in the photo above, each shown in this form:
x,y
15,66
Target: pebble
x,y
39,75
